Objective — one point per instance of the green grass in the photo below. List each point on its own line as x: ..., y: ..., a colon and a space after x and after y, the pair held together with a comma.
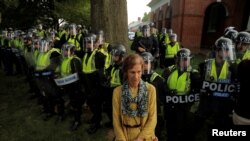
x: 21, y: 120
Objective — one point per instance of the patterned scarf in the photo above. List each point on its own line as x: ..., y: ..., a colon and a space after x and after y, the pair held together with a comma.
x: 140, y: 101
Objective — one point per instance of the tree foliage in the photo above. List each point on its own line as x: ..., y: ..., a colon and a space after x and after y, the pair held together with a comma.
x: 76, y: 11
x: 145, y: 17
x: 24, y: 14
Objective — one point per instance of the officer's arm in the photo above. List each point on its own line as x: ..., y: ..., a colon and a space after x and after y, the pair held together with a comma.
x: 156, y: 46
x: 196, y: 81
x: 202, y: 69
x: 55, y: 60
x: 100, y: 65
x: 76, y: 65
x: 135, y: 45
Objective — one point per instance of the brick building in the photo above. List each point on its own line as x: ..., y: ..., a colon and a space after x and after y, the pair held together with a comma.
x: 198, y: 23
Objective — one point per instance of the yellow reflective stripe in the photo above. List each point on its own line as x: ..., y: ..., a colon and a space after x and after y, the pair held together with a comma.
x: 115, y: 77
x: 65, y: 67
x: 177, y: 83
x: 153, y: 76
x: 223, y: 72
x: 89, y: 67
x: 171, y: 51
x: 44, y: 59
x: 75, y: 42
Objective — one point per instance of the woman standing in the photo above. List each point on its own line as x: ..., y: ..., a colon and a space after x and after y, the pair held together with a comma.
x: 134, y: 104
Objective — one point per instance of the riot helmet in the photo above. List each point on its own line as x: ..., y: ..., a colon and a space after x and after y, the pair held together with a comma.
x: 173, y: 37
x: 243, y: 43
x: 228, y: 29
x: 148, y: 61
x: 118, y: 51
x: 36, y: 44
x: 225, y: 49
x: 46, y: 45
x: 40, y: 26
x: 183, y: 58
x: 72, y: 29
x: 163, y: 30
x: 89, y: 42
x: 68, y: 49
x: 5, y: 33
x: 146, y: 31
x: 243, y: 37
x: 100, y: 37
x: 170, y: 31
x: 231, y: 34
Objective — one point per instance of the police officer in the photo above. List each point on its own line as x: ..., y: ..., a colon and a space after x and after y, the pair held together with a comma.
x: 150, y: 76
x: 171, y: 50
x: 70, y: 70
x: 93, y: 74
x: 231, y: 33
x: 182, y: 84
x: 40, y: 31
x: 146, y: 43
x: 241, y: 114
x: 114, y: 77
x: 48, y: 60
x: 163, y: 39
x: 217, y: 71
x: 242, y: 46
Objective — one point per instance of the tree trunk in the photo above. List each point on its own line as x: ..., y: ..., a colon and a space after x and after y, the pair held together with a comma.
x: 111, y: 17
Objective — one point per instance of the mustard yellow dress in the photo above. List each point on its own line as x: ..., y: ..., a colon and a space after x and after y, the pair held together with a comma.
x: 148, y: 122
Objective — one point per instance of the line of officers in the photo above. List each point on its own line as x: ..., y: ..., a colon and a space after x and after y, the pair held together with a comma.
x: 89, y: 73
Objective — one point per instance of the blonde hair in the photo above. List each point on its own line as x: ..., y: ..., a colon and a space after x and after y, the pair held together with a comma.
x: 129, y: 62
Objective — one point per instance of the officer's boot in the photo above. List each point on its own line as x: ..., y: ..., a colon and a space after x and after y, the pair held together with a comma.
x: 77, y: 122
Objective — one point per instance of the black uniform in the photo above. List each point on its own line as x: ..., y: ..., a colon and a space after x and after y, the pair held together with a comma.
x: 92, y: 82
x: 75, y: 92
x: 218, y: 107
x: 47, y: 86
x: 179, y: 119
x: 150, y: 44
x: 158, y: 82
x: 242, y: 99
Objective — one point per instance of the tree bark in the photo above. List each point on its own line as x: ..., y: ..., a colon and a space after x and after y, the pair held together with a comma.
x: 111, y: 17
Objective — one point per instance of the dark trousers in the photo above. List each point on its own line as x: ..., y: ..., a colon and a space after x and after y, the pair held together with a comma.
x: 214, y: 108
x: 94, y: 96
x: 178, y: 122
x: 76, y: 97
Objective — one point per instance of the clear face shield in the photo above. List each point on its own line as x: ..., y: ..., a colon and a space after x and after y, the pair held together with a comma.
x: 66, y: 51
x: 88, y: 44
x: 116, y: 57
x: 146, y: 32
x: 100, y: 39
x: 72, y: 30
x: 147, y: 68
x: 36, y: 44
x: 173, y: 38
x: 11, y: 35
x: 183, y: 63
x: 16, y: 33
x: 4, y: 33
x: 227, y: 52
x: 163, y: 30
x: 40, y: 26
x: 45, y: 46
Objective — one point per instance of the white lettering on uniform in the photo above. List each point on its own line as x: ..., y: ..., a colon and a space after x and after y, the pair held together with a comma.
x: 183, y: 98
